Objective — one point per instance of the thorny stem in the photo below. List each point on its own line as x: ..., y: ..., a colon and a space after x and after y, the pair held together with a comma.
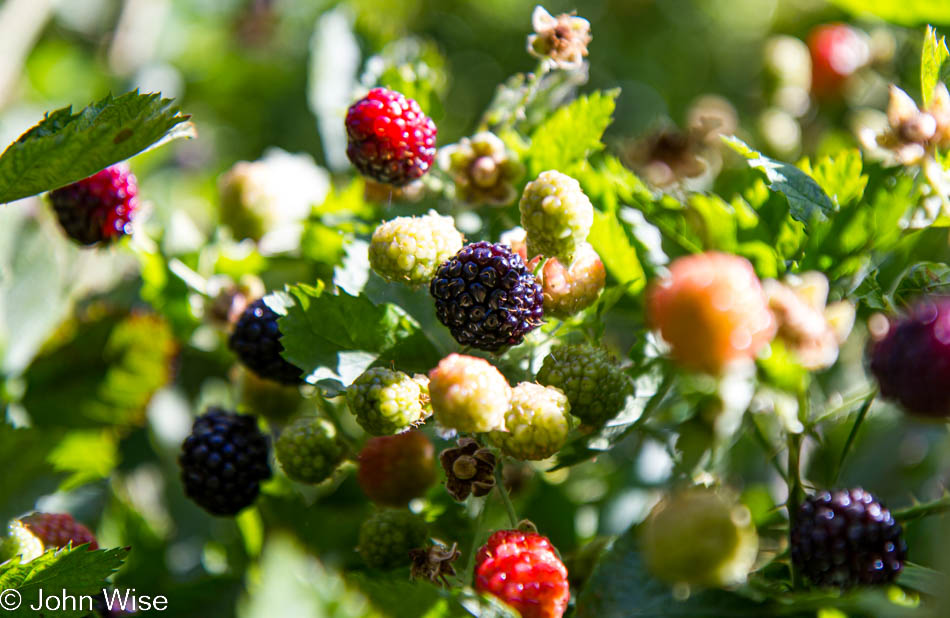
x: 925, y: 509
x: 500, y: 486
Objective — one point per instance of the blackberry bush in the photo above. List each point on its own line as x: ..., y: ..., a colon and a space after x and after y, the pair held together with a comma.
x: 643, y: 340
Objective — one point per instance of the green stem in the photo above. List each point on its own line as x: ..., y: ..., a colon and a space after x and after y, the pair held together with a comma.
x: 924, y: 509
x: 795, y: 495
x: 476, y: 537
x: 500, y: 486
x: 862, y: 414
x: 795, y: 492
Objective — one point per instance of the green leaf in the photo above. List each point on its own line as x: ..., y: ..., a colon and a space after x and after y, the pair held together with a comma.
x: 609, y: 239
x: 621, y: 587
x: 922, y: 579
x: 75, y: 570
x: 290, y: 582
x: 86, y: 455
x: 839, y: 176
x: 66, y: 147
x: 932, y: 57
x: 572, y: 132
x: 923, y: 279
x: 100, y: 372
x: 806, y: 200
x: 333, y: 338
x: 23, y: 453
x: 412, y: 598
x: 902, y: 12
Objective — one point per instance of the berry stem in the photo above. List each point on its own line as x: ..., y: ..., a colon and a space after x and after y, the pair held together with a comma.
x: 795, y: 492
x: 500, y: 486
x: 862, y: 414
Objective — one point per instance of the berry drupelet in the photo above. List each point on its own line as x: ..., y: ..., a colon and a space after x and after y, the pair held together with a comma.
x: 256, y: 341
x: 98, y: 209
x: 847, y: 538
x: 223, y: 461
x: 389, y: 138
x: 486, y: 297
x: 911, y: 359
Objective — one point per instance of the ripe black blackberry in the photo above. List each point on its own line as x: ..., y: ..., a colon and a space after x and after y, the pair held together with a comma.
x: 847, y: 538
x: 223, y: 461
x: 256, y: 341
x: 911, y: 361
x: 486, y: 296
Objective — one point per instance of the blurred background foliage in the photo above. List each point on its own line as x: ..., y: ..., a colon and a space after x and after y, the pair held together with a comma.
x: 263, y: 74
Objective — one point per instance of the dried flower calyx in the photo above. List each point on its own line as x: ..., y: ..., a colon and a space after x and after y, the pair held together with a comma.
x: 469, y: 469
x: 434, y: 563
x: 562, y: 39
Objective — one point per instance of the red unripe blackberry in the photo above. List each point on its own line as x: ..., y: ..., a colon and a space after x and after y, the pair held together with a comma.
x: 256, y: 341
x: 523, y: 570
x: 486, y: 296
x: 389, y: 138
x: 847, y: 538
x: 911, y: 359
x: 223, y: 461
x: 98, y: 209
x: 837, y: 51
x: 58, y: 530
x: 395, y: 469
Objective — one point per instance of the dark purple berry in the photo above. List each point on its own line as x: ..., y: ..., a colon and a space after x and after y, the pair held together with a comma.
x: 847, y: 538
x: 223, y: 461
x: 98, y: 209
x: 912, y: 360
x: 256, y: 341
x: 486, y: 296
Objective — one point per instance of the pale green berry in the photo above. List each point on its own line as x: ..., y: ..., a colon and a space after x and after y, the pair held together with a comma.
x: 537, y: 422
x: 556, y: 214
